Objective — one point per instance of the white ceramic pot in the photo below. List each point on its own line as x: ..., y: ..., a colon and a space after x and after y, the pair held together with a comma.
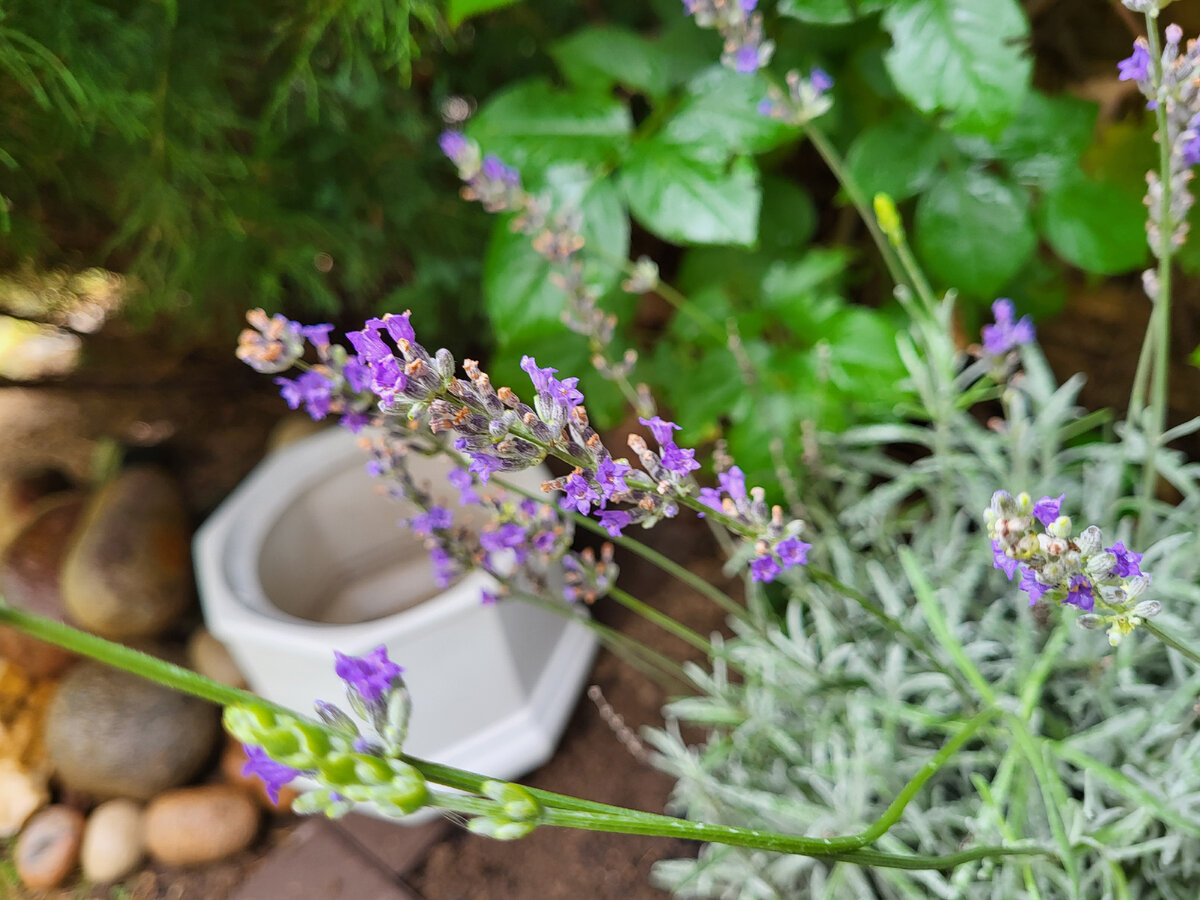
x: 306, y: 557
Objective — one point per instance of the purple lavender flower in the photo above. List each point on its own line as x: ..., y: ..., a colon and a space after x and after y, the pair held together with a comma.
x: 495, y: 169
x: 455, y: 146
x: 820, y: 80
x: 614, y: 520
x: 1006, y: 334
x: 508, y: 536
x: 1189, y: 149
x: 311, y: 388
x: 733, y: 482
x: 544, y: 541
x: 371, y: 676
x: 764, y: 568
x: 1003, y: 561
x: 274, y: 775
x: 540, y: 377
x: 745, y: 60
x: 610, y: 475
x: 679, y: 460
x: 580, y: 494
x: 466, y: 487
x: 317, y: 335
x: 1137, y: 66
x: 1080, y: 593
x: 354, y: 422
x: 1048, y: 509
x: 1127, y: 561
x: 444, y: 567
x: 367, y: 342
x: 793, y: 552
x: 425, y: 523
x: 1030, y: 585
x: 484, y: 464
x: 748, y: 5
x: 660, y: 428
x: 358, y: 376
x: 711, y: 498
x: 488, y: 598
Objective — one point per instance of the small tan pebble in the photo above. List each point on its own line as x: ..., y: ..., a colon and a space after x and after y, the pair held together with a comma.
x: 48, y: 848
x: 22, y: 793
x: 233, y: 759
x: 199, y: 824
x: 112, y: 841
x: 209, y: 657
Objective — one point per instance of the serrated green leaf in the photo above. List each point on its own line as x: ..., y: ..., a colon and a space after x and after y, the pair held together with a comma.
x: 519, y: 297
x: 898, y: 157
x: 1095, y: 226
x: 692, y: 201
x: 973, y: 232
x: 595, y: 59
x: 534, y: 126
x: 963, y: 57
x: 458, y: 11
x: 829, y: 12
x: 719, y: 116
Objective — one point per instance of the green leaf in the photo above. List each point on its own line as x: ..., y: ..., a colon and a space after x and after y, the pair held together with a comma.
x: 1095, y: 226
x: 534, y: 126
x: 458, y: 11
x: 788, y: 218
x: 898, y: 157
x: 519, y: 296
x: 1047, y: 138
x: 973, y: 232
x: 964, y: 57
x: 595, y: 59
x: 719, y: 116
x: 829, y: 12
x: 692, y: 201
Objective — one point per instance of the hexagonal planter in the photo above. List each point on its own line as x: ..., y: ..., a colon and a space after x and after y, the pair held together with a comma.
x: 305, y: 557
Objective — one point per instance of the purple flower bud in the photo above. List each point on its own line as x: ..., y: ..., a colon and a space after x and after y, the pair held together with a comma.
x: 354, y: 422
x: 1137, y: 66
x: 765, y: 107
x: 1048, y: 509
x: 745, y: 60
x: 495, y: 169
x: 426, y: 523
x: 273, y: 774
x: 488, y: 598
x: 317, y: 335
x: 508, y: 536
x: 371, y: 676
x: 466, y: 487
x: 678, y: 460
x: 312, y: 389
x: 483, y: 465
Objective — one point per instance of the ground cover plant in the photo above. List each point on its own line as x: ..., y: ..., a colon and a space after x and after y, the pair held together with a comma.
x: 964, y: 665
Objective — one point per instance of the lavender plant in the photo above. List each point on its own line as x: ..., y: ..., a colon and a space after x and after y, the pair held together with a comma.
x: 908, y: 726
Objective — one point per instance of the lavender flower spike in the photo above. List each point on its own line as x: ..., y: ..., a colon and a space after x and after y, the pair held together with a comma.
x: 371, y: 676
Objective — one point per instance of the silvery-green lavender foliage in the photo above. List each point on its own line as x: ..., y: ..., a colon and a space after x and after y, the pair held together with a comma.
x: 1098, y: 752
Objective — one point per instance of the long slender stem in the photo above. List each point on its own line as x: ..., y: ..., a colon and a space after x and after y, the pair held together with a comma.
x: 1171, y: 641
x: 1160, y: 318
x: 559, y: 810
x: 662, y: 620
x: 834, y: 161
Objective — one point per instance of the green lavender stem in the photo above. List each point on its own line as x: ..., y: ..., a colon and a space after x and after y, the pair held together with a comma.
x: 1160, y: 318
x: 1171, y: 641
x: 559, y: 810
